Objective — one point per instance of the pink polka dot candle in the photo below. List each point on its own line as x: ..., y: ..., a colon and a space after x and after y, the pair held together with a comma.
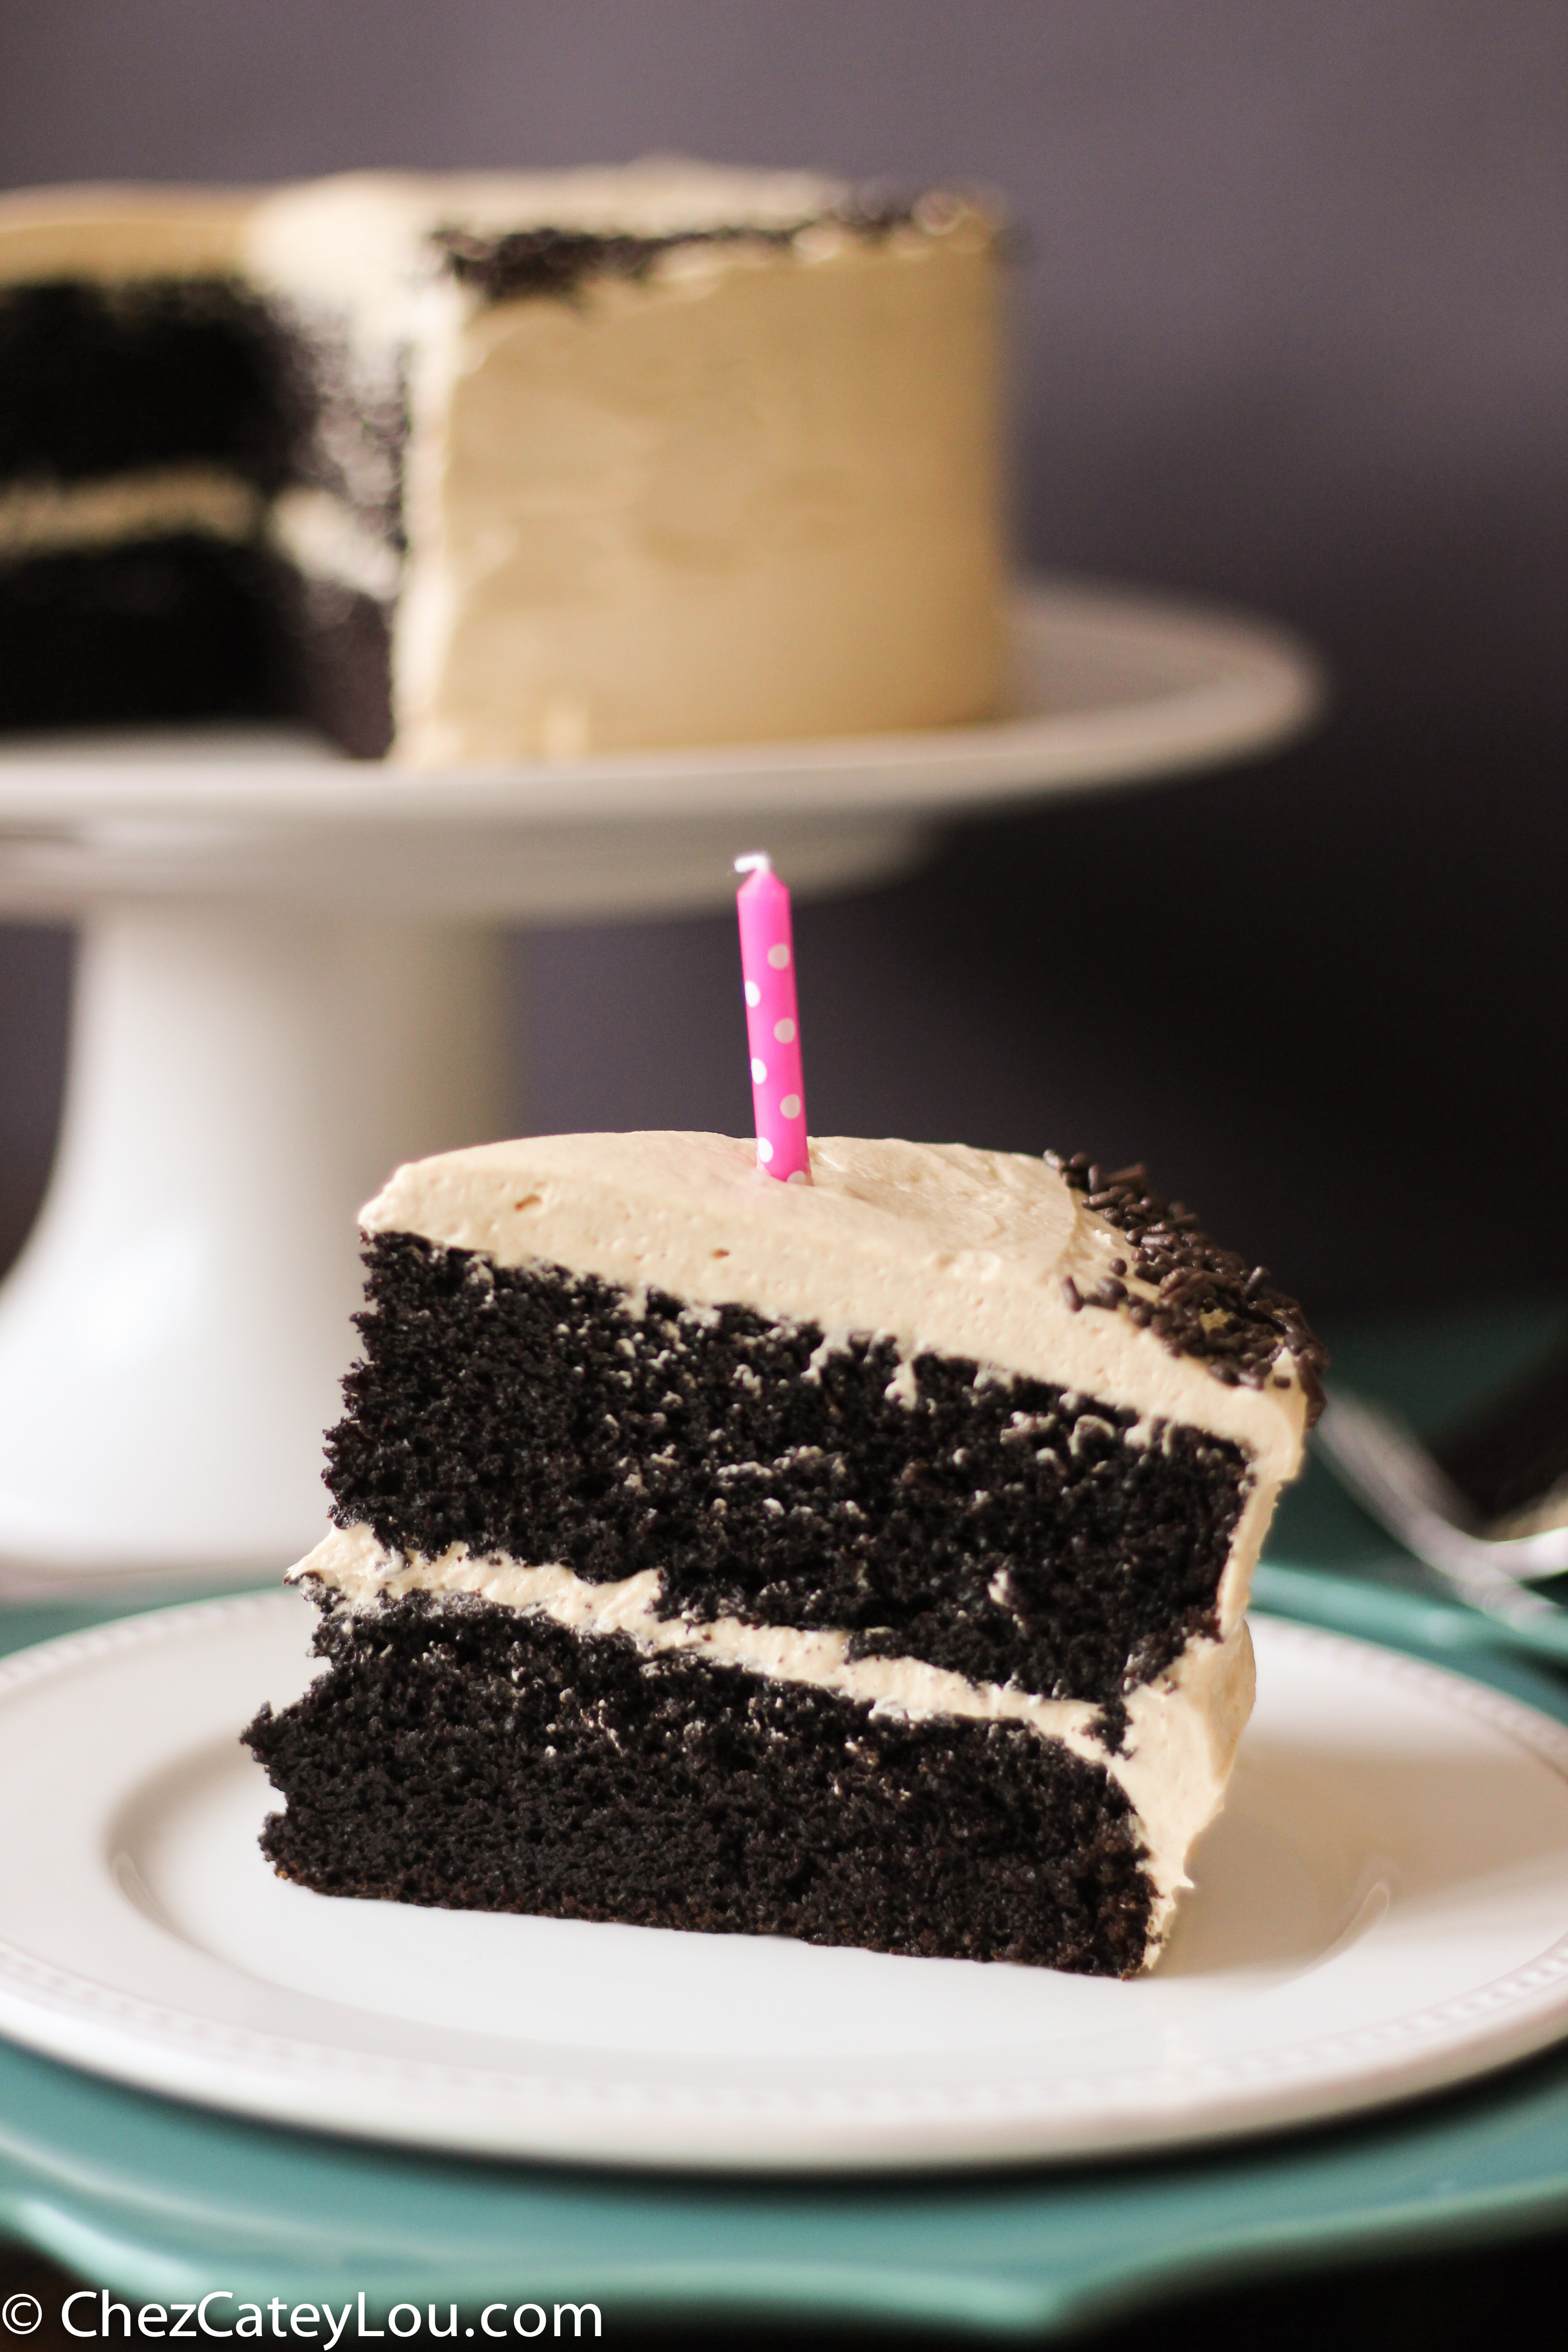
x: 772, y: 1022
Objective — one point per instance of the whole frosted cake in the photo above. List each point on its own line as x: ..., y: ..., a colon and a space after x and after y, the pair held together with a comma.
x: 862, y: 1562
x: 501, y: 466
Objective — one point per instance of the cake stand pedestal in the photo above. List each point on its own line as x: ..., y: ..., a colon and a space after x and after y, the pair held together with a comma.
x: 288, y: 981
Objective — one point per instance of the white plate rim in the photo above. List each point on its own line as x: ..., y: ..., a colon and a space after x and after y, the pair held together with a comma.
x: 89, y: 2023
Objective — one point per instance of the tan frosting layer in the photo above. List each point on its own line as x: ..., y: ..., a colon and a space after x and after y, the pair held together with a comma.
x: 325, y: 538
x: 1182, y: 1730
x: 43, y: 517
x: 753, y: 496
x: 750, y: 494
x: 107, y: 233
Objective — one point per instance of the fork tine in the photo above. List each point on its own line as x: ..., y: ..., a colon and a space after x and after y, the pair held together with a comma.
x: 1389, y: 1471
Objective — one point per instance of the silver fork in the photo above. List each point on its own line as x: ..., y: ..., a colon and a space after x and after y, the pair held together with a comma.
x: 1388, y: 1470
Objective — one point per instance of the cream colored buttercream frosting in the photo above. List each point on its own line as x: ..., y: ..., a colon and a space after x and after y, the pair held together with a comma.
x: 360, y: 242
x: 750, y: 490
x: 106, y: 233
x: 1172, y: 1765
x: 41, y: 516
x: 324, y: 539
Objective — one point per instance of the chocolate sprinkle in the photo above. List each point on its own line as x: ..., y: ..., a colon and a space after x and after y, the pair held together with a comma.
x: 559, y: 262
x: 1208, y: 1303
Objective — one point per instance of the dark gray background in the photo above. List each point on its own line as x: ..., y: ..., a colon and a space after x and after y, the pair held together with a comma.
x: 1290, y: 333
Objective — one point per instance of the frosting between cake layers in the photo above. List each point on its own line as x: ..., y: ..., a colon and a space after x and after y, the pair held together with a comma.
x: 1181, y: 1731
x: 324, y: 538
x: 41, y: 516
x: 944, y: 1247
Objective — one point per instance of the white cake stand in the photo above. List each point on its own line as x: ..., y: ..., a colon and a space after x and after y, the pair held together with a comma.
x: 287, y: 982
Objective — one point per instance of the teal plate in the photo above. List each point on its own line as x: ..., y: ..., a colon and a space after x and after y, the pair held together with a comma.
x: 166, y: 2201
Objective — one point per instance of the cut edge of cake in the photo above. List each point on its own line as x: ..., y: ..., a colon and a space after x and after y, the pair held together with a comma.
x: 1172, y: 1756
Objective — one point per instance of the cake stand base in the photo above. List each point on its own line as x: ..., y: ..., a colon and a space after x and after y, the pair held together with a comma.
x: 173, y: 1337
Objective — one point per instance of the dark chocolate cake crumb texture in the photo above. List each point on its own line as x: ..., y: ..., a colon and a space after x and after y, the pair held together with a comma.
x: 95, y: 380
x: 1005, y: 1529
x: 1210, y: 1303
x: 338, y: 660
x: 179, y: 625
x: 460, y: 1754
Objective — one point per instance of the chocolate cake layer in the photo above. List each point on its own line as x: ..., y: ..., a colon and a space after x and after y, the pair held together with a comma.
x: 458, y: 1754
x: 97, y: 379
x: 1001, y: 1528
x: 179, y: 627
x: 338, y: 650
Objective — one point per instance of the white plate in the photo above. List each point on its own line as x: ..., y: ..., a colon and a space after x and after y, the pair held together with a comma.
x: 1382, y: 1908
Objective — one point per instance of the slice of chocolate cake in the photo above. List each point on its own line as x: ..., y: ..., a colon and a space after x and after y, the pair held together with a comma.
x: 862, y: 1562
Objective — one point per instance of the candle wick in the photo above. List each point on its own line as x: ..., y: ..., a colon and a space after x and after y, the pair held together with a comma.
x: 756, y: 861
